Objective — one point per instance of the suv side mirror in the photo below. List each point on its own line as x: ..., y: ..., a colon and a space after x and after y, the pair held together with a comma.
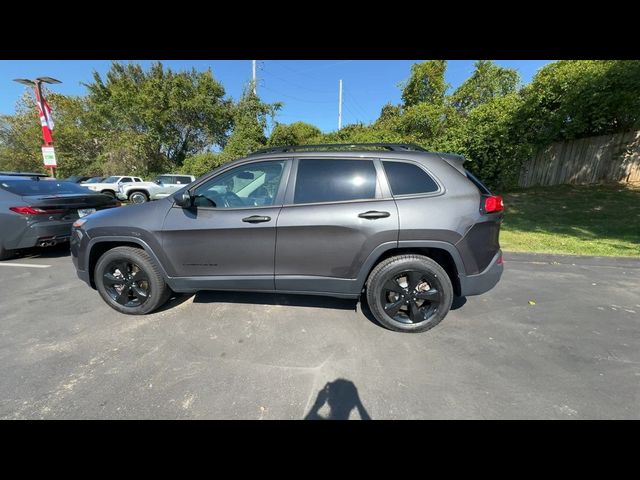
x: 185, y: 200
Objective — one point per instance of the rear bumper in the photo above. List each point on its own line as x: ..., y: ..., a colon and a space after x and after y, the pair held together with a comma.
x: 43, y: 234
x: 483, y: 281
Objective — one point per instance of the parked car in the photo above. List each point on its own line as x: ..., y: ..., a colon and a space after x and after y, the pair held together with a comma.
x: 93, y: 180
x: 77, y: 178
x: 410, y: 227
x: 161, y: 187
x: 37, y: 211
x: 109, y: 186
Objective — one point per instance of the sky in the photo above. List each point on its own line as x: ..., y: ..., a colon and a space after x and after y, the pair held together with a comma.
x: 308, y: 88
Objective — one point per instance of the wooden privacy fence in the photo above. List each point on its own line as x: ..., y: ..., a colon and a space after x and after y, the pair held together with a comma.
x: 607, y: 158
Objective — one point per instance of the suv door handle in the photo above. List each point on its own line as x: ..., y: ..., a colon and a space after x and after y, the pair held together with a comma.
x: 372, y: 215
x: 256, y: 219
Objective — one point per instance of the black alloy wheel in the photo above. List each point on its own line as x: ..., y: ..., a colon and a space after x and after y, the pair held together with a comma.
x: 130, y: 281
x: 411, y: 296
x: 409, y: 293
x: 126, y: 283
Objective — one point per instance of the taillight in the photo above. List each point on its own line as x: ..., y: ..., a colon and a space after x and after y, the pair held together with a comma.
x: 34, y: 211
x: 493, y: 204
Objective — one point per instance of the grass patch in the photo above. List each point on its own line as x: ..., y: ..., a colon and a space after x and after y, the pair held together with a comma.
x: 573, y: 219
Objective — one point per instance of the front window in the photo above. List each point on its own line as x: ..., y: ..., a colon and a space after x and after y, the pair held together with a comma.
x: 251, y: 185
x: 163, y: 179
x: 111, y: 180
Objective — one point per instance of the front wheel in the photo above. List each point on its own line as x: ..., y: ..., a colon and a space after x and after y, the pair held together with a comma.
x: 409, y: 293
x: 109, y: 193
x: 138, y: 197
x: 130, y: 282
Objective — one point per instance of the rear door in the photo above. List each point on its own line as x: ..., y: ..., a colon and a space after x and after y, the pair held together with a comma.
x: 335, y: 214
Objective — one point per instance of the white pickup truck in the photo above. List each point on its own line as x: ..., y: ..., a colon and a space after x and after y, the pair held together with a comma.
x: 109, y: 186
x: 161, y: 187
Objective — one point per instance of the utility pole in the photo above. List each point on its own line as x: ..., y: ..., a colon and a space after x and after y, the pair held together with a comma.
x: 44, y: 111
x: 254, y: 77
x: 340, y: 107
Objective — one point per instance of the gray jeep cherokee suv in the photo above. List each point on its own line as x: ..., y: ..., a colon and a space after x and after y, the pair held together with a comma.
x: 409, y: 227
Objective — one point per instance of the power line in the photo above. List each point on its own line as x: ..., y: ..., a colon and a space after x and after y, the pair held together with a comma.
x: 295, y: 84
x: 296, y: 98
x: 356, y: 104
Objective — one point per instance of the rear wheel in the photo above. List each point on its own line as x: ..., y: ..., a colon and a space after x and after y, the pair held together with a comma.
x: 138, y: 197
x: 409, y: 293
x: 129, y: 281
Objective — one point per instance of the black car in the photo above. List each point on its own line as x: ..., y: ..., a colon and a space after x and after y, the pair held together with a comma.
x: 39, y: 211
x: 77, y: 178
x: 409, y: 228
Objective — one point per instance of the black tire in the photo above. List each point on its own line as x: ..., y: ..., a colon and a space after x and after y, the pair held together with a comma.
x: 109, y: 193
x: 416, y: 283
x: 138, y: 197
x: 123, y: 295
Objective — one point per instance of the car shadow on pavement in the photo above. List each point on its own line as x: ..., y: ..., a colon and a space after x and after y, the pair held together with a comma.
x: 57, y: 251
x: 276, y: 299
x: 341, y: 397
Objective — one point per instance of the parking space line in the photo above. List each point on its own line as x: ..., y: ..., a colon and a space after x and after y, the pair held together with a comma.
x: 26, y: 265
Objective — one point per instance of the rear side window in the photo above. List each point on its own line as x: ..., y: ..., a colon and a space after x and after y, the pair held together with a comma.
x: 408, y: 179
x: 335, y: 181
x: 183, y: 180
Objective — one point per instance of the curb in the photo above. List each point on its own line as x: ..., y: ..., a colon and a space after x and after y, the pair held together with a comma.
x: 626, y: 262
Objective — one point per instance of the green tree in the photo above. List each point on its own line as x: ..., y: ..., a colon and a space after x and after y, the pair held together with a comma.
x: 487, y: 82
x: 578, y: 98
x: 202, y: 163
x: 491, y: 141
x: 426, y: 83
x: 297, y: 133
x: 170, y: 114
x: 250, y: 116
x: 21, y: 138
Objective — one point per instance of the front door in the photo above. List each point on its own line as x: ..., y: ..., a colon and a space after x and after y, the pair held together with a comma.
x: 230, y: 232
x: 334, y: 216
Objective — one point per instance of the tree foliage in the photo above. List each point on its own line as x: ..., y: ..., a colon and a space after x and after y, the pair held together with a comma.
x: 426, y: 84
x: 487, y: 82
x: 297, y: 133
x: 153, y: 121
x: 168, y: 114
x: 250, y: 122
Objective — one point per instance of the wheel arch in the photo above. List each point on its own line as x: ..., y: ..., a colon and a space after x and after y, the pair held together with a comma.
x: 445, y: 254
x: 99, y: 246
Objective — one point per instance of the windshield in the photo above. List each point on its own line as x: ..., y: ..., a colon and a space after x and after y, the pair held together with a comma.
x: 111, y: 180
x: 42, y: 187
x: 94, y: 180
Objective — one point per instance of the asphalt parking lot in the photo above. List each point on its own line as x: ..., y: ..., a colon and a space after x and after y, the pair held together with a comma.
x: 552, y: 340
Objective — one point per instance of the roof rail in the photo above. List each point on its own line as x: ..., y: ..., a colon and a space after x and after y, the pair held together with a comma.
x: 394, y: 147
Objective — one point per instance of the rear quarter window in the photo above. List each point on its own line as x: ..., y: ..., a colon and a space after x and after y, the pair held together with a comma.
x: 408, y: 179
